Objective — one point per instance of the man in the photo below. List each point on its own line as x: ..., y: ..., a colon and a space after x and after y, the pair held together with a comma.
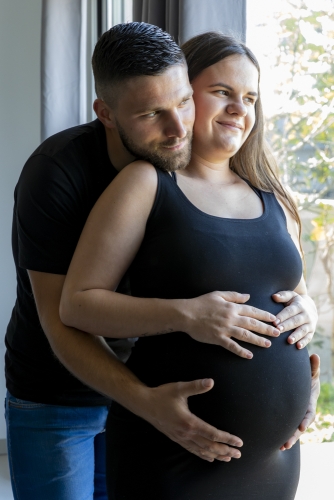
x: 55, y: 420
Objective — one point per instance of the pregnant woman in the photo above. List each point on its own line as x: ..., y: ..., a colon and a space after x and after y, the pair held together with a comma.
x: 223, y: 223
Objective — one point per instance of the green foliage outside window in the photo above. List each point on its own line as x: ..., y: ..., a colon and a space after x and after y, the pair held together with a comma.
x: 301, y: 134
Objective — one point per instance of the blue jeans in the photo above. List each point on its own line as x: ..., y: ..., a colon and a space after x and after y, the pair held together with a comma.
x: 56, y: 452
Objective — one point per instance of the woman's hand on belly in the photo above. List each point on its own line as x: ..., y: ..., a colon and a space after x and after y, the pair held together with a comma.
x: 299, y: 314
x: 216, y: 317
x: 311, y: 410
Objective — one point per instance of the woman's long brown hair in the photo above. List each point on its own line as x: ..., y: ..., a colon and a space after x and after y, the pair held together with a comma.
x: 254, y: 160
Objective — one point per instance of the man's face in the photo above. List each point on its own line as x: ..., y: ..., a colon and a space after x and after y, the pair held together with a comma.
x: 154, y: 117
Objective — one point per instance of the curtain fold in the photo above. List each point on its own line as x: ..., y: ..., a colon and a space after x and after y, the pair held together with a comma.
x: 65, y: 47
x: 185, y: 18
x: 61, y: 65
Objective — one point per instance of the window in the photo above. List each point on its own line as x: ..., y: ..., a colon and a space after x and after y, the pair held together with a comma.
x: 98, y: 17
x: 294, y: 42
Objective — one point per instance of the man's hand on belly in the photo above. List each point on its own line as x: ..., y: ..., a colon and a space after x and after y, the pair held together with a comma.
x: 311, y: 410
x: 219, y: 317
x: 168, y: 411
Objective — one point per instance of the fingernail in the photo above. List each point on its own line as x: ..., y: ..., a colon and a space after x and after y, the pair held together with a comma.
x: 278, y: 294
x: 281, y: 328
x: 267, y: 343
x: 277, y: 321
x: 249, y: 355
x: 206, y: 382
x: 272, y: 317
x: 292, y: 339
x: 276, y: 332
x: 301, y: 345
x: 227, y: 459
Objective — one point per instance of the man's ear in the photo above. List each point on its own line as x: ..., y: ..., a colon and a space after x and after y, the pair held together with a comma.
x: 104, y: 113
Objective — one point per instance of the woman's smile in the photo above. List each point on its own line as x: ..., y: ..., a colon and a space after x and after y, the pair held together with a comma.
x: 224, y: 94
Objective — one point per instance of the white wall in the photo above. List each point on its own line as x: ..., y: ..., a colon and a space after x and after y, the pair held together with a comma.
x: 20, y: 33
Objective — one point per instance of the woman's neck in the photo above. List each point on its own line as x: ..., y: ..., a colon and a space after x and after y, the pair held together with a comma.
x: 209, y: 171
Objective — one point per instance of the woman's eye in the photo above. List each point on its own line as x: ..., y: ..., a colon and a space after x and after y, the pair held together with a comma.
x: 249, y: 100
x: 222, y: 92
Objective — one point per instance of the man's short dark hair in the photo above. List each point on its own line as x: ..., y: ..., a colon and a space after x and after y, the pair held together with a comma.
x: 129, y: 50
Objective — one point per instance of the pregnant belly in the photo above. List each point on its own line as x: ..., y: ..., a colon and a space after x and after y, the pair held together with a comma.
x: 262, y: 400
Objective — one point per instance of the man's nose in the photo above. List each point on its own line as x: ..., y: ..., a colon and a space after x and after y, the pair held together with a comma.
x: 175, y: 126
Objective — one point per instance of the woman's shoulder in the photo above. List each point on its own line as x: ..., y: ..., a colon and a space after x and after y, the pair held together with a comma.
x: 134, y: 188
x: 139, y: 170
x: 138, y: 179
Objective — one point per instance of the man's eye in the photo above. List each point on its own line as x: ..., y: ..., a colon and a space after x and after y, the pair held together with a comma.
x: 151, y: 115
x: 185, y: 101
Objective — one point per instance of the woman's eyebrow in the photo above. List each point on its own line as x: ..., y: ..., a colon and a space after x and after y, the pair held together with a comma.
x: 221, y: 84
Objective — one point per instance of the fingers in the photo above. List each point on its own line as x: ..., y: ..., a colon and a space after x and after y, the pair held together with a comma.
x: 284, y: 296
x: 210, y: 450
x: 301, y: 336
x: 212, y: 435
x: 311, y: 411
x: 258, y: 314
x: 197, y: 436
x: 292, y: 316
x: 186, y: 389
x: 205, y: 434
x: 299, y: 315
x: 234, y: 347
x: 305, y: 340
x: 254, y: 325
x: 315, y: 366
x: 245, y: 336
x: 212, y: 444
x: 293, y: 440
x: 238, y: 298
x: 251, y: 338
x: 307, y: 421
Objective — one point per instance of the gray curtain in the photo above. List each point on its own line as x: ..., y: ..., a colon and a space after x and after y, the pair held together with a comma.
x: 60, y: 65
x: 186, y: 18
x: 65, y: 66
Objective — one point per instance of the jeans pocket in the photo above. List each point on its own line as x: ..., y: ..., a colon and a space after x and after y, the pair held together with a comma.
x: 22, y: 404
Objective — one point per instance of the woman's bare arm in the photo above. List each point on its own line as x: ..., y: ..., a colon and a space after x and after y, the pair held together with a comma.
x: 109, y: 243
x: 300, y: 313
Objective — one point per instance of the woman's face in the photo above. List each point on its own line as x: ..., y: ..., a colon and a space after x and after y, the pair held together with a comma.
x: 225, y: 95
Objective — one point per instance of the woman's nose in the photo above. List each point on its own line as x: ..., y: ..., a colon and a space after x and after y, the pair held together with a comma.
x: 237, y: 107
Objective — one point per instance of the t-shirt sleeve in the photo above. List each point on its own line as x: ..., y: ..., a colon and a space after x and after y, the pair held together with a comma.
x: 50, y: 214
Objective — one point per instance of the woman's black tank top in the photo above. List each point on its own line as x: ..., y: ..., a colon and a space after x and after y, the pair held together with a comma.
x: 186, y: 253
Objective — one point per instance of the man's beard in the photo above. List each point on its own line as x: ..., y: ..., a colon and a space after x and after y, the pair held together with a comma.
x: 175, y: 160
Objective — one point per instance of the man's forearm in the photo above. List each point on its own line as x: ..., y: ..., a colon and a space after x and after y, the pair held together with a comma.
x: 91, y: 360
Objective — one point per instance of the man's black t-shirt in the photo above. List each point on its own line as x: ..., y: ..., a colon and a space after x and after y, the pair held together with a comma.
x: 58, y: 187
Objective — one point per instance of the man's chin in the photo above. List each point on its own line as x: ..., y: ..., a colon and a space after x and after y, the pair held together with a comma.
x: 173, y: 160
x: 171, y: 164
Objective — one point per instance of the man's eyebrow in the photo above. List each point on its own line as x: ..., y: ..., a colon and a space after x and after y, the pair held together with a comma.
x: 221, y: 84
x: 152, y: 107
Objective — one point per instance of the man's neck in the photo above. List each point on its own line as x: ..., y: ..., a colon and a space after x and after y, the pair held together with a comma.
x: 117, y: 153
